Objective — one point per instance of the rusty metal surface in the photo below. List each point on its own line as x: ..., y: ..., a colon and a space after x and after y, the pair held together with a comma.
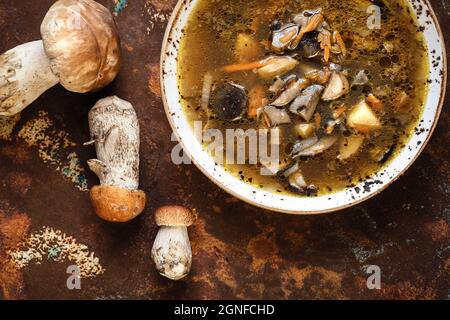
x: 239, y: 251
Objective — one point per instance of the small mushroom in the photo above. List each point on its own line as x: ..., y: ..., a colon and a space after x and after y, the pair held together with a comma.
x: 80, y: 48
x: 337, y: 87
x: 171, y: 250
x: 115, y: 130
x: 229, y: 101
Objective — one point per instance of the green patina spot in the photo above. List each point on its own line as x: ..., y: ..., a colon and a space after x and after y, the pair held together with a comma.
x: 54, y: 252
x: 120, y: 5
x: 74, y: 172
x: 51, y: 144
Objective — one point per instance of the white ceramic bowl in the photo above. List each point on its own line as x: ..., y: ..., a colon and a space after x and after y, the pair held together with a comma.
x: 293, y: 204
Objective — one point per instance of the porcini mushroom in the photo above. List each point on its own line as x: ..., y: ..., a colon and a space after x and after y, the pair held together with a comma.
x: 171, y: 250
x: 80, y: 48
x: 114, y: 129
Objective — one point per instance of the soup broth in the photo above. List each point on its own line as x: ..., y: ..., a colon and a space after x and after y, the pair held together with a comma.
x: 344, y: 92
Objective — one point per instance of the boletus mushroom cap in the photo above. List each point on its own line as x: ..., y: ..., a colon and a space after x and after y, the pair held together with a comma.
x: 116, y: 204
x: 82, y: 42
x: 174, y: 216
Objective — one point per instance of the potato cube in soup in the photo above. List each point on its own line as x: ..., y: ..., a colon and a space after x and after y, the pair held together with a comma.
x: 363, y: 119
x: 304, y: 130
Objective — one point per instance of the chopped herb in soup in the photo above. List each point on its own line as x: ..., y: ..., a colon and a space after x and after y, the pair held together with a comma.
x: 343, y: 88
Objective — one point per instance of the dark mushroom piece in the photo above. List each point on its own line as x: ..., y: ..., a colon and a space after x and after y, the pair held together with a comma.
x: 229, y: 101
x: 309, y: 46
x: 275, y: 25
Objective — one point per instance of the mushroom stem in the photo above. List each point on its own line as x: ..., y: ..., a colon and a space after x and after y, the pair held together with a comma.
x: 115, y: 130
x: 25, y: 74
x: 172, y: 252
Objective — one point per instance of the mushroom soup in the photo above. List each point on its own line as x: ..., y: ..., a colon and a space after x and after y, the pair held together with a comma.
x: 344, y: 87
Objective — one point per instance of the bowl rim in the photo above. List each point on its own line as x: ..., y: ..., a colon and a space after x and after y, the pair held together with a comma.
x: 443, y: 90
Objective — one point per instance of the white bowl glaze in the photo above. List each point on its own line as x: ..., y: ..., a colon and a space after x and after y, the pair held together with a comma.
x: 294, y: 204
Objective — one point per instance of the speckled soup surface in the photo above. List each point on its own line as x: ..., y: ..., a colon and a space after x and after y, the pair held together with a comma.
x: 239, y: 251
x: 356, y: 192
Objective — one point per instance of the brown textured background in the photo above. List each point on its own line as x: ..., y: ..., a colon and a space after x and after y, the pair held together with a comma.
x: 239, y: 251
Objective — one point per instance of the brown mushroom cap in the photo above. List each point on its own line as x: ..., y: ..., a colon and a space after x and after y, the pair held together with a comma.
x: 81, y: 39
x: 117, y: 204
x: 174, y: 216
